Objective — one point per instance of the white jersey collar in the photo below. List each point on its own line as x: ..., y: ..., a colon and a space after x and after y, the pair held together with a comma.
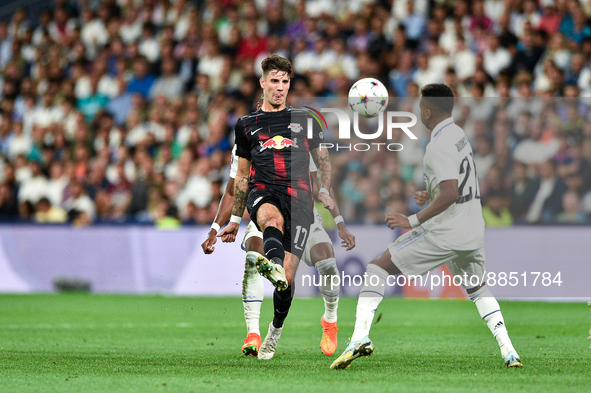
x: 440, y: 126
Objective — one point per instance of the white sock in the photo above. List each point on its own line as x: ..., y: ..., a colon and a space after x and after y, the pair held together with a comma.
x: 370, y: 298
x: 490, y: 311
x: 253, y: 292
x: 327, y: 268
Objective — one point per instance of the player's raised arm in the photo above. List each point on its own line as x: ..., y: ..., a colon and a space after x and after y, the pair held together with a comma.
x: 322, y: 161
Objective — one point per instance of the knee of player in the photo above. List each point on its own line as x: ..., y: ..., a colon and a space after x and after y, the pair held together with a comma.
x: 255, y: 243
x: 275, y: 223
x: 320, y: 252
x: 327, y: 266
x: 475, y: 291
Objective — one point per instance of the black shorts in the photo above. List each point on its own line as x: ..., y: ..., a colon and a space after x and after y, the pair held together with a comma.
x: 298, y: 220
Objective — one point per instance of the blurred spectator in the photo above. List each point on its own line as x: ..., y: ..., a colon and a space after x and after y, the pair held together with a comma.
x: 550, y: 20
x: 548, y: 200
x: 572, y: 213
x: 414, y: 23
x: 483, y: 157
x: 80, y: 208
x: 167, y: 219
x: 35, y: 186
x: 495, y: 211
x: 57, y: 183
x: 533, y: 148
x: 16, y: 142
x: 8, y: 201
x: 46, y: 213
x: 528, y: 56
x: 169, y: 84
x: 94, y: 102
x: 496, y: 58
x: 523, y: 191
x: 574, y: 25
x: 148, y: 44
x: 142, y: 79
x: 479, y: 20
x: 252, y: 44
x: 5, y: 45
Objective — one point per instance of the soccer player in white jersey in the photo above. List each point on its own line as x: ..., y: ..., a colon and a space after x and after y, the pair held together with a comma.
x: 318, y: 253
x: 449, y: 231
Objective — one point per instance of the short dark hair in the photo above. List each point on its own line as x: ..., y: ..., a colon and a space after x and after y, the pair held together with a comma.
x: 276, y: 62
x: 440, y: 96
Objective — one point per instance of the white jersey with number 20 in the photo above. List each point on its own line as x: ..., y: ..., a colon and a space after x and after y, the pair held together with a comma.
x: 449, y: 156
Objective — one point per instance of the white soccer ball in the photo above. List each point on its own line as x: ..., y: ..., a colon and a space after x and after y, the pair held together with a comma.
x: 368, y: 97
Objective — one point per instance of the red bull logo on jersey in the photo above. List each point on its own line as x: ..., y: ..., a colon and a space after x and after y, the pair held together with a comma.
x: 278, y: 142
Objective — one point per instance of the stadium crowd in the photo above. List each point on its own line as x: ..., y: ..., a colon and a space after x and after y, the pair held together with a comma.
x: 123, y: 110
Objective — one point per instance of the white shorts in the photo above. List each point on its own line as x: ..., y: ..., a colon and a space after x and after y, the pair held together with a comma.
x: 317, y: 235
x: 417, y: 252
x: 251, y: 230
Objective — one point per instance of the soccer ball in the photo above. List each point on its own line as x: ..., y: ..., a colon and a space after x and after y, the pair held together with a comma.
x: 368, y: 97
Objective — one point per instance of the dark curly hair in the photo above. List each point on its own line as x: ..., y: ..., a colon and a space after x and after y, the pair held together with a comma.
x: 276, y: 62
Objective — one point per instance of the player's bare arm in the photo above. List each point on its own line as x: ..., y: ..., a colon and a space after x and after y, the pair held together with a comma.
x: 221, y: 217
x: 446, y: 197
x: 240, y: 196
x: 322, y: 161
x: 348, y: 240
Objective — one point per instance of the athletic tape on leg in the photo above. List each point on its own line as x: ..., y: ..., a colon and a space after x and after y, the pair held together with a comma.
x: 329, y: 277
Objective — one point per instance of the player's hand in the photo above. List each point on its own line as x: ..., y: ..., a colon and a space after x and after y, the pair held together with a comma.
x: 421, y: 197
x: 326, y: 201
x: 228, y: 234
x: 207, y: 245
x: 348, y: 240
x: 397, y: 220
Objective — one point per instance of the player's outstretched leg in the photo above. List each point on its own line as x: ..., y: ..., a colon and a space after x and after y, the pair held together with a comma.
x: 252, y: 298
x: 282, y: 303
x: 273, y: 272
x: 370, y: 297
x: 327, y: 269
x: 490, y: 311
x: 267, y: 350
x: 271, y: 265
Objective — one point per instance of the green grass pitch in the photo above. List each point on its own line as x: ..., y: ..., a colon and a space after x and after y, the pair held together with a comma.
x: 104, y: 343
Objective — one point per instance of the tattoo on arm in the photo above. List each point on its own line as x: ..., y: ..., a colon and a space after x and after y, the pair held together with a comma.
x: 241, y: 187
x: 322, y: 161
x: 240, y: 195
